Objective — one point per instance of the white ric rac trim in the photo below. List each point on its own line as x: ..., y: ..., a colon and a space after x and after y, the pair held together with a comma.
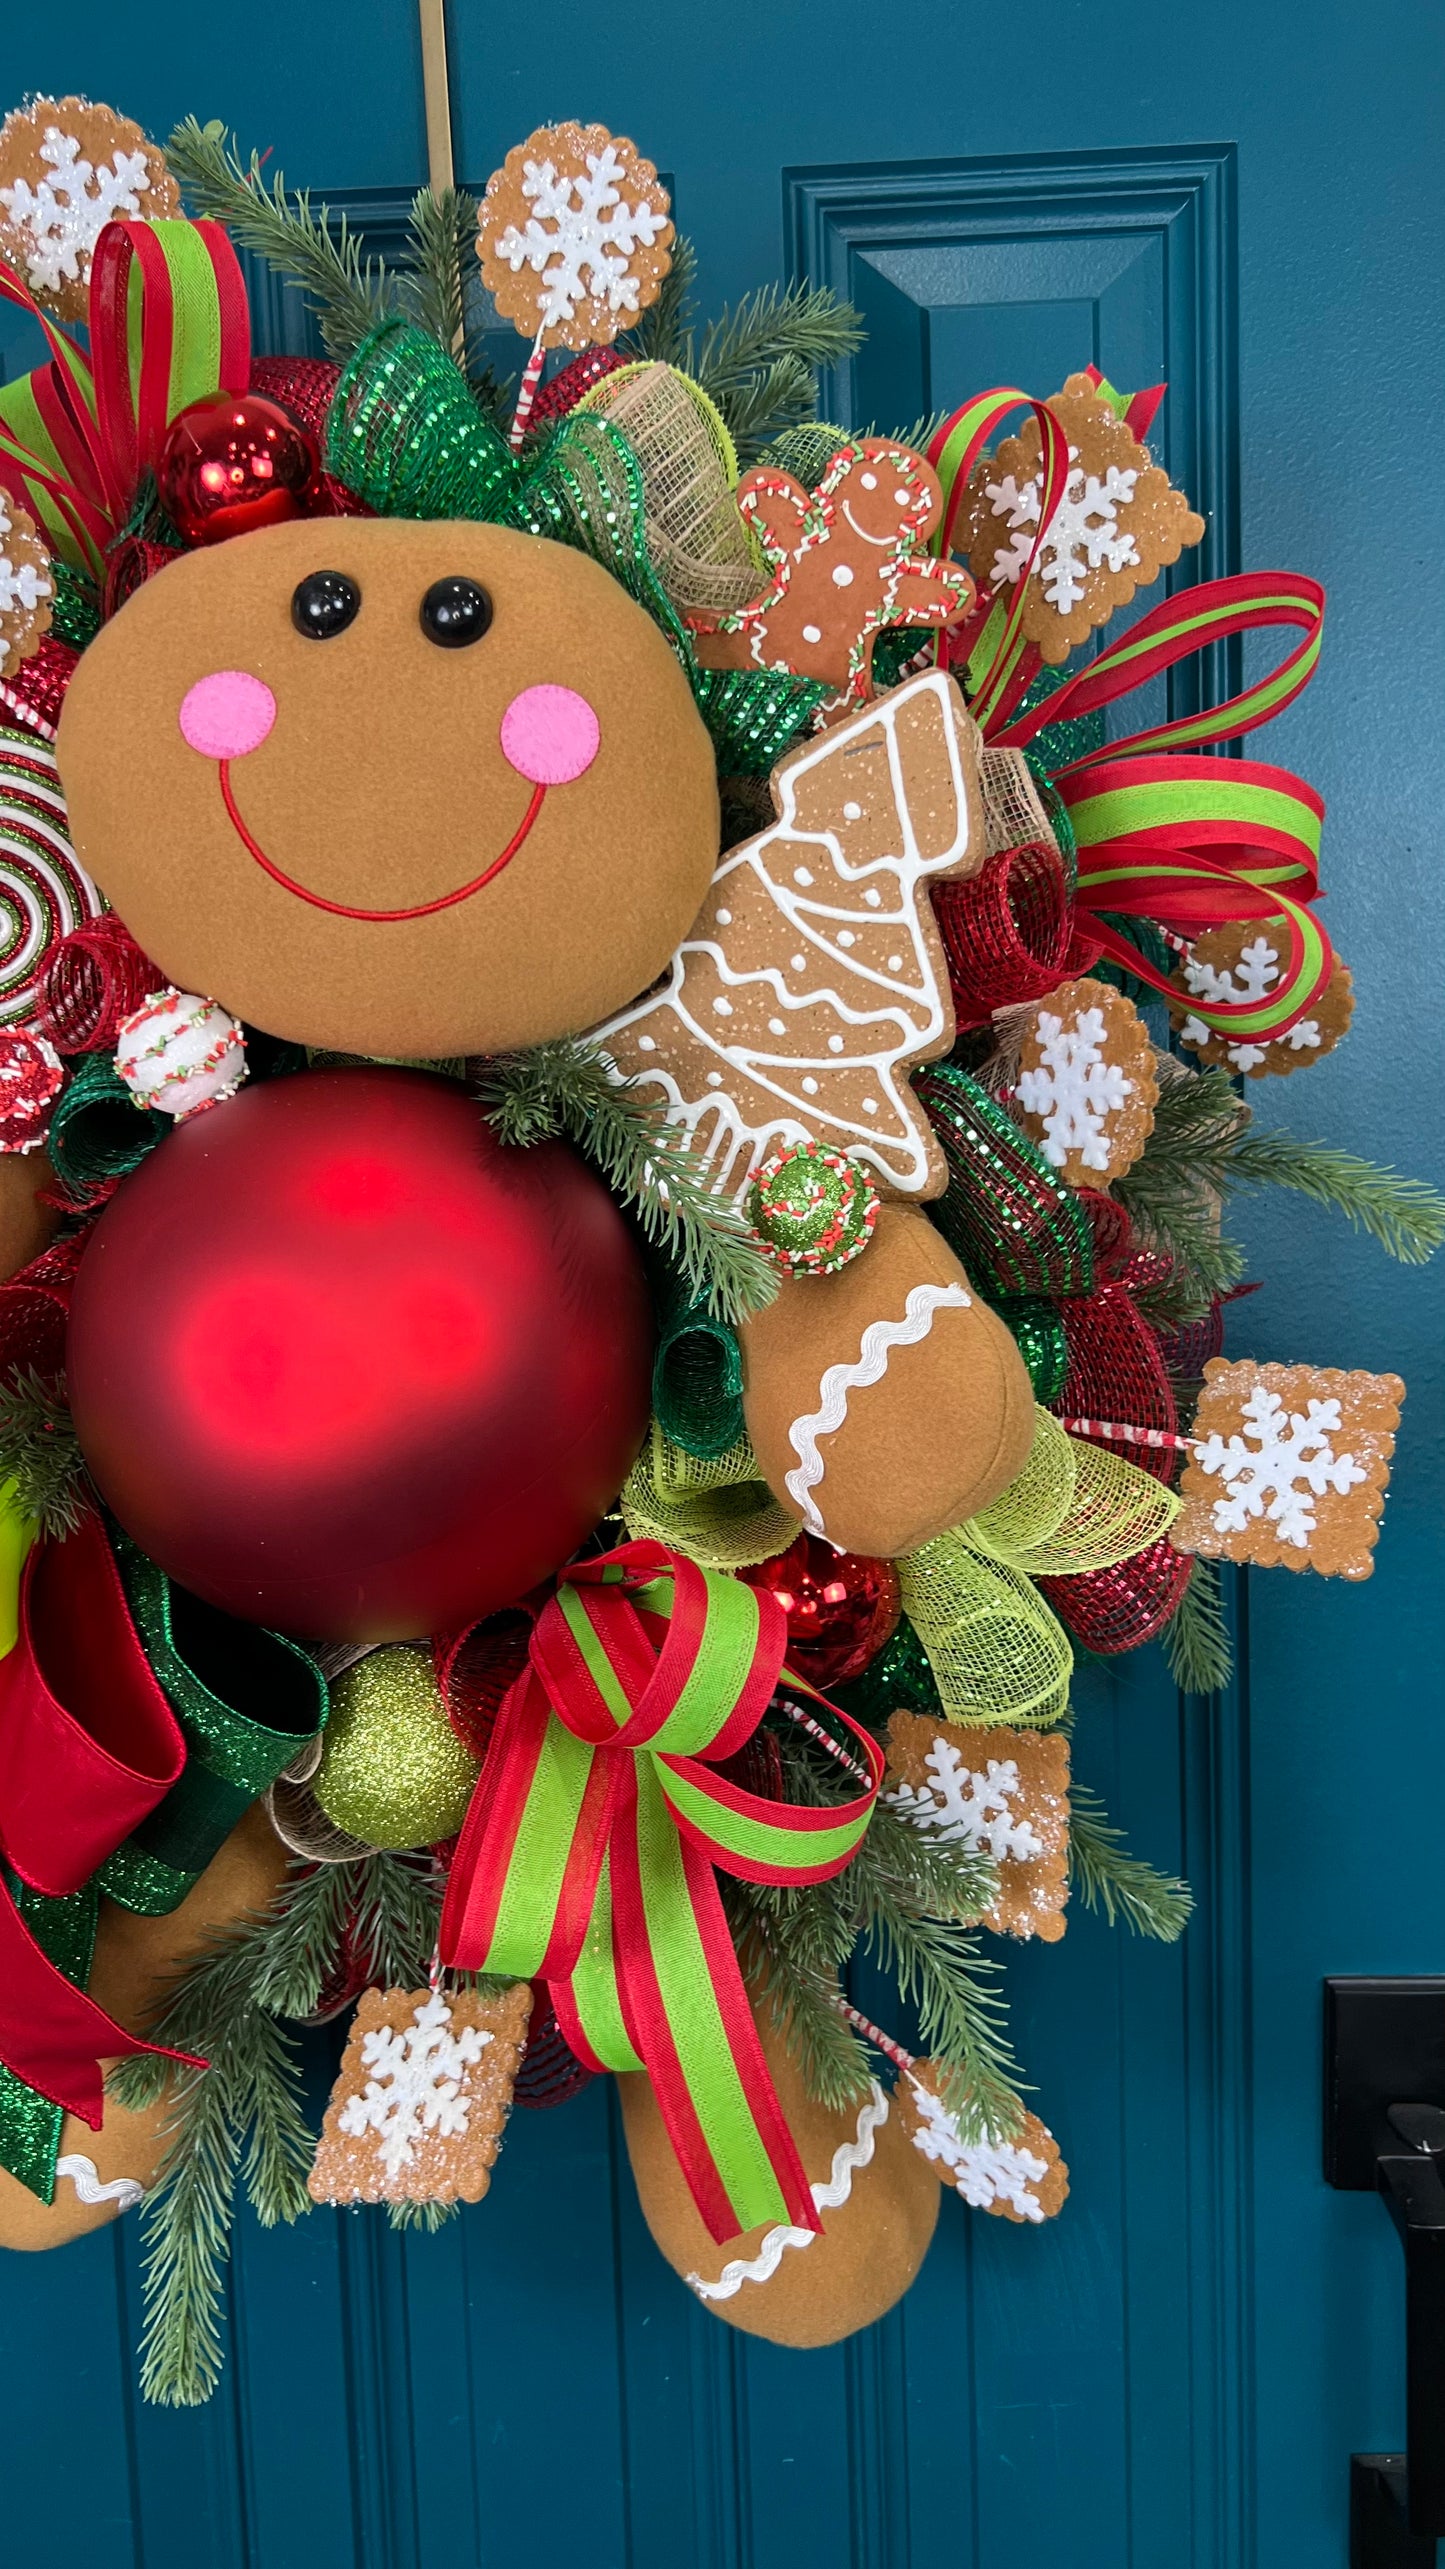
x: 879, y: 1340
x: 827, y: 2198
x: 85, y: 2178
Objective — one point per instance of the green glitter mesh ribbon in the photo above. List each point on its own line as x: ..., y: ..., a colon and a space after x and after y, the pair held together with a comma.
x: 1039, y: 1335
x: 405, y: 434
x: 1011, y: 1219
x: 75, y: 612
x: 697, y: 1381
x: 29, y: 2124
x: 205, y: 1661
x: 898, y: 1679
x: 98, y: 1132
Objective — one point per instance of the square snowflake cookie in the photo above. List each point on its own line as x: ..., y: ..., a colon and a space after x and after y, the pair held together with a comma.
x: 421, y: 2098
x: 1087, y: 1086
x: 1025, y: 2179
x: 996, y: 1792
x: 1288, y: 1467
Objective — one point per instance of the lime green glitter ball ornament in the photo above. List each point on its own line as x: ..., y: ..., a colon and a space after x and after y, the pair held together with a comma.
x: 812, y: 1209
x: 393, y: 1771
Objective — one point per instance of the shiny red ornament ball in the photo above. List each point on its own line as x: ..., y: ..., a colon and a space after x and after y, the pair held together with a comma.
x: 234, y: 462
x: 841, y: 1607
x: 344, y: 1365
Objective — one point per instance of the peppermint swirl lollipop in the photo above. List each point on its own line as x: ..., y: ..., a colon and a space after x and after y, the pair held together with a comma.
x: 44, y: 892
x: 812, y: 1209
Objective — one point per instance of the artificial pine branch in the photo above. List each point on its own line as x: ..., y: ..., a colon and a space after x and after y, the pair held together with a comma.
x: 349, y: 294
x: 939, y: 1969
x: 779, y: 398
x: 441, y: 234
x: 562, y: 1087
x: 1196, y: 1637
x: 1107, y: 1877
x: 1406, y: 1216
x: 40, y: 1452
x: 798, y: 327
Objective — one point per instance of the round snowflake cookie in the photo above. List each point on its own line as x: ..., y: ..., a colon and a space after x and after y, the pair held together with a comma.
x: 812, y: 1209
x: 574, y: 236
x: 1244, y: 960
x: 178, y: 1052
x: 67, y: 168
x: 1087, y: 1086
x: 26, y: 588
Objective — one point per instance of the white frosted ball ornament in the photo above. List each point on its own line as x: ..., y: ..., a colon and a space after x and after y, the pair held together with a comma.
x: 178, y: 1053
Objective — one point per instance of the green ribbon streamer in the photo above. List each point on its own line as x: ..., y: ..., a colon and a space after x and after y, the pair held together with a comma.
x: 30, y: 2125
x: 98, y: 1132
x: 204, y: 1661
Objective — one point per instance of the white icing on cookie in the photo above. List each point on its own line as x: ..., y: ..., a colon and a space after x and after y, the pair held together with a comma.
x: 827, y: 2197
x: 879, y: 1340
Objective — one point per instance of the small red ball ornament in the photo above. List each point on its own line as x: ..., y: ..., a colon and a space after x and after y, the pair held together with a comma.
x: 234, y: 462
x: 344, y: 1365
x: 841, y: 1607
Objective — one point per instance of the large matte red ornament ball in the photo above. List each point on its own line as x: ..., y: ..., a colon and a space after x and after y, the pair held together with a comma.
x: 343, y: 1364
x: 233, y: 462
x: 841, y: 1607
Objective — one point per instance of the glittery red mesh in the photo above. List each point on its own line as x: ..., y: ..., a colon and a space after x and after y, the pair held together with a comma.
x: 129, y: 565
x: 474, y: 1670
x: 1114, y: 1610
x: 569, y: 384
x: 93, y: 979
x: 34, y: 693
x: 1008, y: 932
x: 33, y: 1307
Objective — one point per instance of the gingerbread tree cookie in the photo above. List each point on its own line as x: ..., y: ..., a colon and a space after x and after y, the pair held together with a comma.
x: 1120, y: 520
x: 846, y: 559
x: 1087, y: 1086
x: 814, y: 978
x: 67, y: 168
x: 1025, y: 2179
x: 421, y: 2097
x: 574, y: 236
x: 1244, y: 960
x: 996, y: 1792
x: 1289, y: 1467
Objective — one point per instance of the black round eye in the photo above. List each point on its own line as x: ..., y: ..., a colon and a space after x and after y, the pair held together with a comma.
x: 455, y: 611
x: 324, y: 603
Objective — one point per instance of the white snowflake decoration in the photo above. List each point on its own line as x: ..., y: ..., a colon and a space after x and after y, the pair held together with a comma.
x: 1074, y: 1090
x: 985, y: 2172
x: 1253, y: 977
x: 594, y: 234
x: 62, y: 219
x: 1290, y: 1463
x: 416, y: 2083
x: 23, y: 587
x: 1084, y: 533
x: 963, y: 1808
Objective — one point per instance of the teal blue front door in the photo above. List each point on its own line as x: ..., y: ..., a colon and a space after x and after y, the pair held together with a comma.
x: 1247, y: 199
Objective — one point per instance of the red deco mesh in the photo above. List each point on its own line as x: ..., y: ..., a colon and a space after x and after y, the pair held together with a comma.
x: 569, y: 384
x: 33, y: 694
x: 131, y: 563
x: 474, y: 1670
x: 1008, y: 932
x: 1114, y: 1610
x: 34, y: 1305
x: 92, y: 981
x: 304, y: 386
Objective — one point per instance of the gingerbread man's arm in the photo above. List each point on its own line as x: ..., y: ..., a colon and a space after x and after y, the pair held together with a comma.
x: 778, y: 511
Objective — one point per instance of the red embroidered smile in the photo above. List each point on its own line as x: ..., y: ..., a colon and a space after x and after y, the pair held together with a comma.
x: 352, y: 910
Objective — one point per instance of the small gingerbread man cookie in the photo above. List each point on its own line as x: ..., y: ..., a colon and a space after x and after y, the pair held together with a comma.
x: 846, y: 560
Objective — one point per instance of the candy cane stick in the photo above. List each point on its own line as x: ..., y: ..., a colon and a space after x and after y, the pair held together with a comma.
x: 527, y: 393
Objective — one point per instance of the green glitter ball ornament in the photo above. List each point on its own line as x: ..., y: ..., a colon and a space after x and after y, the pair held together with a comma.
x: 812, y: 1209
x: 393, y: 1771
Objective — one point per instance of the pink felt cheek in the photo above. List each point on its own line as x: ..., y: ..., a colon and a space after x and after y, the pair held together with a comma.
x: 550, y: 735
x: 227, y: 714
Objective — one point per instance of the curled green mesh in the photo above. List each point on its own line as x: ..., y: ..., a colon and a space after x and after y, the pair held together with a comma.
x: 98, y: 1132
x: 715, y: 1510
x: 405, y: 433
x: 697, y: 1383
x: 1038, y: 1333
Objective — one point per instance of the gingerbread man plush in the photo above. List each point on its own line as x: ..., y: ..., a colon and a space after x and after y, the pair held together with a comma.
x: 846, y: 559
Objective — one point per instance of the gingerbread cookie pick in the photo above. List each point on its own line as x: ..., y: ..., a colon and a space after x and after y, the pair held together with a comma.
x: 996, y: 1792
x: 1087, y: 1086
x: 1244, y: 960
x: 421, y: 2098
x: 1289, y: 1467
x: 67, y: 168
x: 813, y: 977
x: 846, y: 560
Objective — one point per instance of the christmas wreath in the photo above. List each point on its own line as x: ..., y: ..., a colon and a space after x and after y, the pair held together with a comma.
x: 615, y: 1119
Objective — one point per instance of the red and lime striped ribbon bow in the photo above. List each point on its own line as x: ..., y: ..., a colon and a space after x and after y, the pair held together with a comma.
x: 1194, y: 841
x: 1001, y: 663
x: 590, y: 1854
x: 169, y: 323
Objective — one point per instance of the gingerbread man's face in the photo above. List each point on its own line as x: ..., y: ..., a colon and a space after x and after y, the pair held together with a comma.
x: 393, y: 788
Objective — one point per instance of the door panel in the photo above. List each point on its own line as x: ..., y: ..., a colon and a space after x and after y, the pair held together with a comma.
x: 1177, y: 2370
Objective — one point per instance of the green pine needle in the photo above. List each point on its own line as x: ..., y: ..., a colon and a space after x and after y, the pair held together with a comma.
x: 441, y: 236
x: 758, y: 361
x: 1406, y: 1216
x: 563, y: 1087
x: 349, y: 294
x: 1196, y: 1638
x: 663, y: 334
x: 1105, y: 1876
x: 40, y: 1452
